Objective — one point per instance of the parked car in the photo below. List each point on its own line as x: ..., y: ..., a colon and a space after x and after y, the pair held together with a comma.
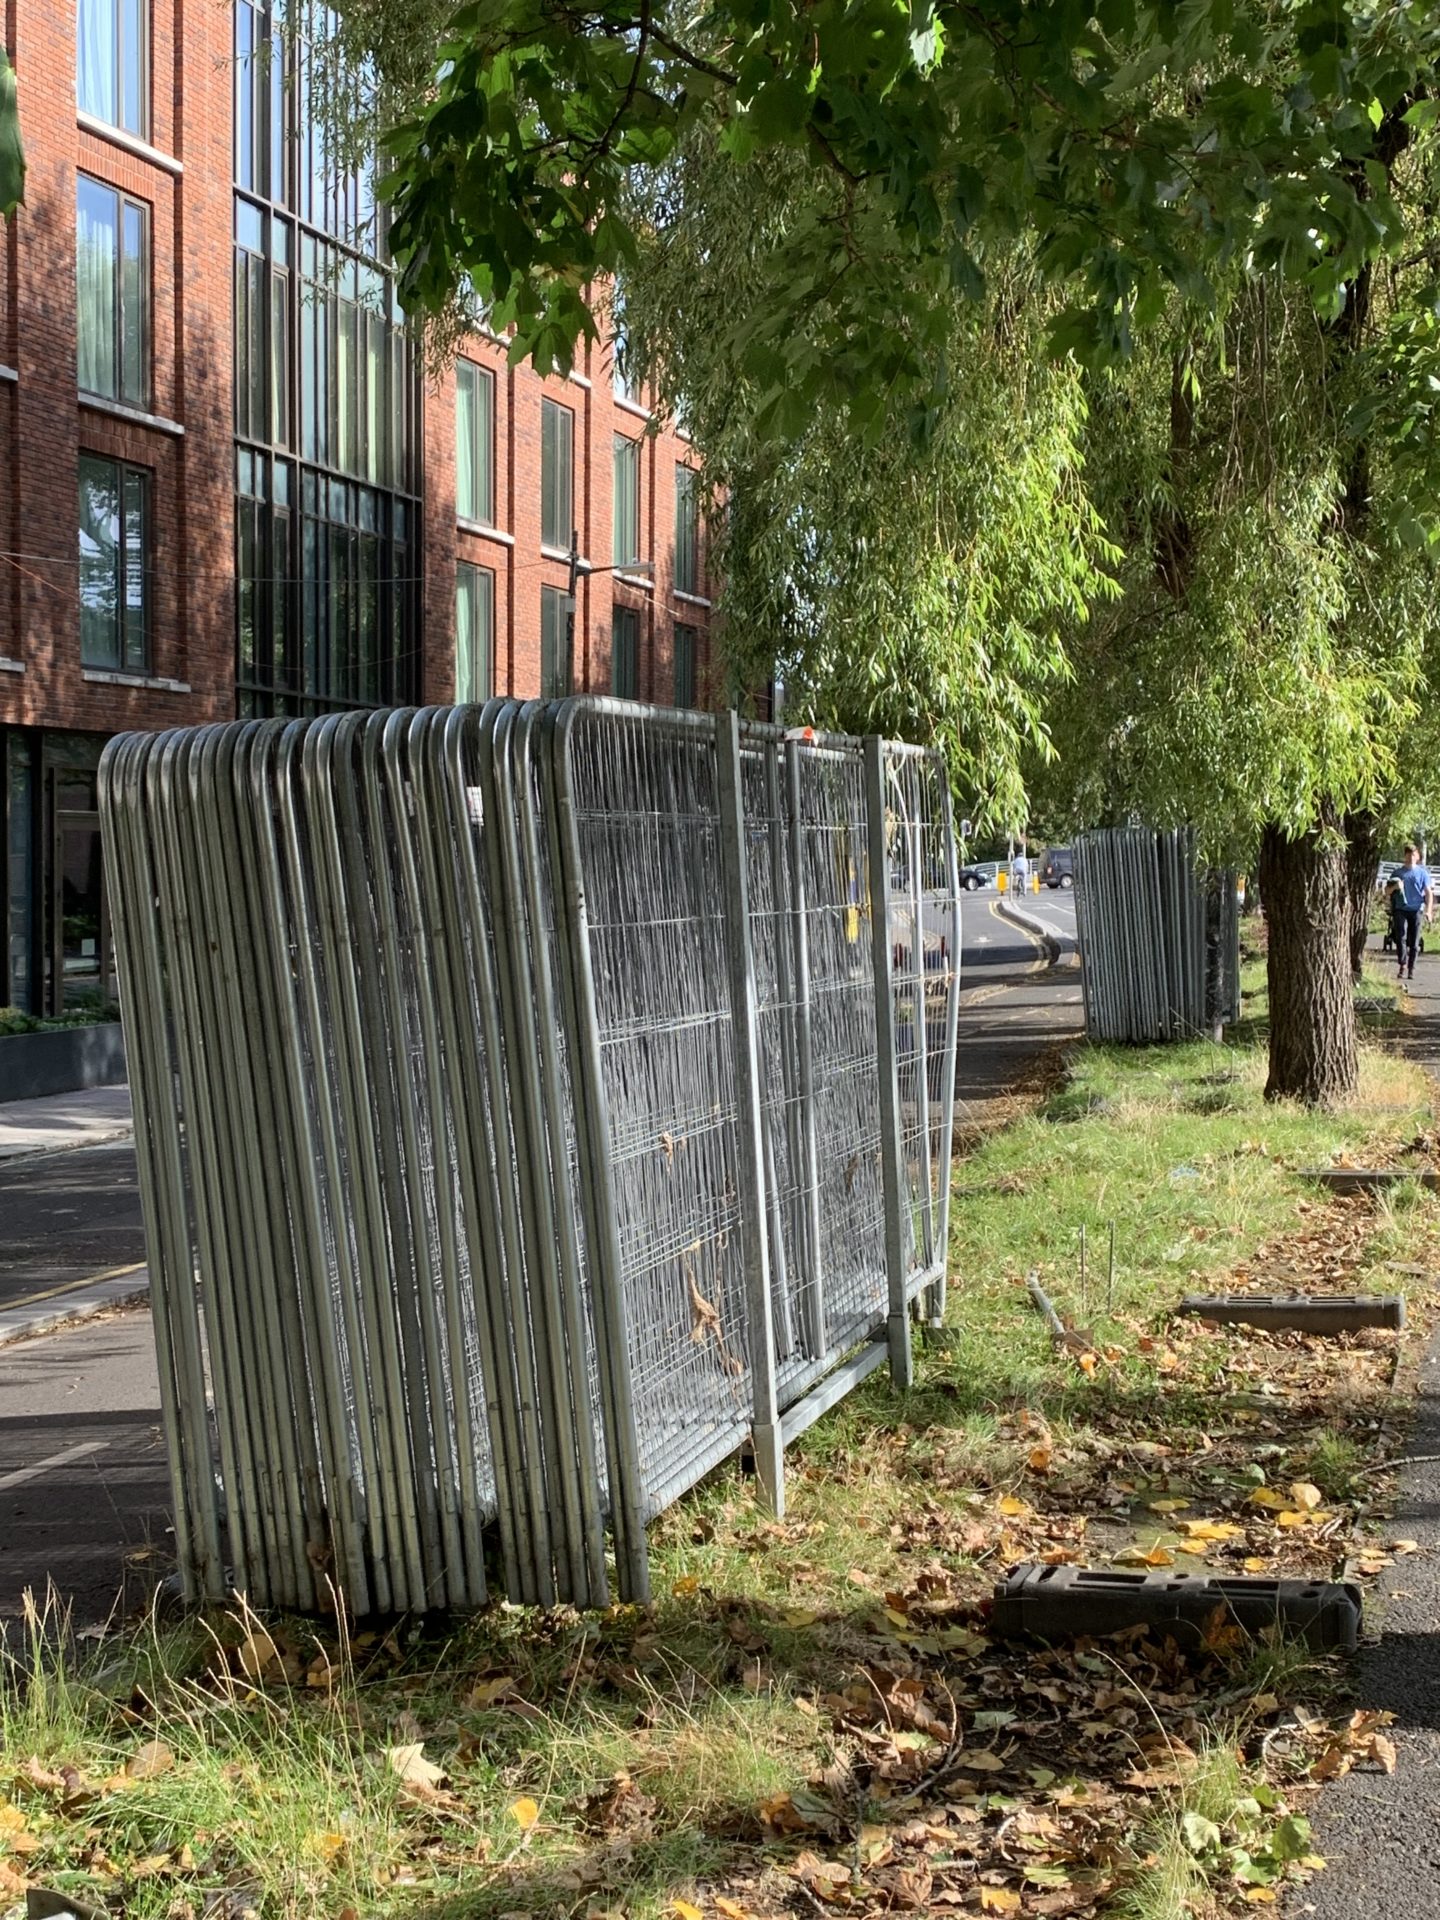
x: 1057, y: 869
x: 973, y: 878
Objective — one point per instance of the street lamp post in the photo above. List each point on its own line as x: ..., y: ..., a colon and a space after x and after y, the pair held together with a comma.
x: 576, y: 568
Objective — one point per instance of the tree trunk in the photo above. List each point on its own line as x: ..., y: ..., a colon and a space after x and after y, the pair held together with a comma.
x: 1313, y: 1054
x: 1362, y: 860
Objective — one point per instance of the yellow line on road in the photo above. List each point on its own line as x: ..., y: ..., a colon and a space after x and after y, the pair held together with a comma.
x: 1038, y: 966
x: 73, y: 1286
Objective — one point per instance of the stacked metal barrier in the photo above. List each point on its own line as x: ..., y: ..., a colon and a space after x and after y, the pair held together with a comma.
x: 535, y: 1104
x: 1159, y: 936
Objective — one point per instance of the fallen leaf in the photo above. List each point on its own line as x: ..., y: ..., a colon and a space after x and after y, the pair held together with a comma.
x: 1384, y: 1751
x: 731, y: 1909
x: 150, y: 1761
x: 1260, y: 1896
x: 1144, y: 1557
x: 325, y: 1846
x: 1038, y: 1459
x: 685, y: 1588
x: 985, y: 1761
x: 685, y: 1910
x: 12, y: 1820
x: 524, y: 1812
x: 1404, y: 1546
x: 490, y: 1691
x: 256, y: 1652
x: 1011, y: 1507
x: 1173, y: 1506
x: 150, y: 1866
x: 1265, y: 1497
x: 412, y: 1766
x: 10, y: 1880
x: 1209, y: 1529
x: 999, y: 1900
x: 38, y: 1775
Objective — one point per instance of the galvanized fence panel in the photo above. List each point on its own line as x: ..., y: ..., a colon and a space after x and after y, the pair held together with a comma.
x: 1159, y: 947
x: 536, y: 1103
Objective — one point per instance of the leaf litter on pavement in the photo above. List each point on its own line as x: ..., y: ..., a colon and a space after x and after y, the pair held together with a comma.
x: 814, y: 1716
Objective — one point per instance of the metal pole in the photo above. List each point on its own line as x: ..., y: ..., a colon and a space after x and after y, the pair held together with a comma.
x: 766, y: 1435
x: 902, y: 1359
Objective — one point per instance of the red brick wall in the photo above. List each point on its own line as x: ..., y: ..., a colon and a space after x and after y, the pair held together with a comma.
x: 192, y: 600
x: 44, y: 428
x: 519, y: 565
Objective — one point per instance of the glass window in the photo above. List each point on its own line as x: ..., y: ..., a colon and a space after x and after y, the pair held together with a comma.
x: 554, y: 643
x: 111, y: 82
x: 686, y: 648
x: 114, y: 513
x: 627, y: 501
x: 621, y: 384
x: 625, y: 654
x: 475, y: 443
x: 474, y: 632
x: 687, y: 530
x: 557, y: 475
x: 112, y: 277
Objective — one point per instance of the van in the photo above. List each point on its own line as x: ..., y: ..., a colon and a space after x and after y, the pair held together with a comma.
x: 1057, y: 869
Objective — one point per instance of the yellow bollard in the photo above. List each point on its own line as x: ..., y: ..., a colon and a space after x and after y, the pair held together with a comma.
x: 1002, y: 879
x: 1034, y: 883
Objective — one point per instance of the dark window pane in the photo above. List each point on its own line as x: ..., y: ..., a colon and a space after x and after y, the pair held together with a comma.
x: 625, y: 654
x: 627, y: 501
x: 474, y: 633
x: 685, y: 650
x: 557, y: 425
x: 113, y: 596
x: 97, y: 249
x: 687, y: 530
x: 554, y: 643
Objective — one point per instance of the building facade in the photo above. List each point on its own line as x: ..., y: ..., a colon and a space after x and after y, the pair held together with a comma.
x: 227, y: 486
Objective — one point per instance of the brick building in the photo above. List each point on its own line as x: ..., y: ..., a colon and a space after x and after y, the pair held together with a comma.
x: 226, y: 486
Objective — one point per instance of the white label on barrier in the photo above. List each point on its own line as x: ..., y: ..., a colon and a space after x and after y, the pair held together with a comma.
x: 472, y: 796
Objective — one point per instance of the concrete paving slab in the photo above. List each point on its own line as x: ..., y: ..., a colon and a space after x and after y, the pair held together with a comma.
x: 80, y: 1119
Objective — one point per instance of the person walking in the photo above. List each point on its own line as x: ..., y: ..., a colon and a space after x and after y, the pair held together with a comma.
x: 1410, y: 895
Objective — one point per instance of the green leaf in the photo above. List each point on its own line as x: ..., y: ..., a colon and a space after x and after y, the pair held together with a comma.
x: 1200, y: 1834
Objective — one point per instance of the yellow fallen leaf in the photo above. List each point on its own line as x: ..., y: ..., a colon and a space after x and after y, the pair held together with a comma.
x: 256, y: 1652
x: 1404, y: 1546
x: 147, y: 1868
x: 800, y: 1616
x: 1252, y: 1563
x: 413, y: 1768
x: 1260, y: 1896
x: 1086, y: 1362
x: 325, y: 1846
x: 685, y: 1910
x: 1172, y: 1506
x: 985, y: 1761
x: 1010, y: 1506
x: 1210, y: 1529
x: 999, y: 1900
x: 1038, y: 1459
x: 489, y: 1691
x: 1144, y: 1557
x: 1292, y: 1519
x: 1305, y: 1494
x: 524, y: 1813
x: 1266, y: 1497
x: 731, y: 1909
x: 687, y: 1585
x: 12, y: 1820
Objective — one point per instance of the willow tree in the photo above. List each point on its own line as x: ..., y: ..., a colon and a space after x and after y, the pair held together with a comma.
x: 916, y: 579
x: 1262, y: 669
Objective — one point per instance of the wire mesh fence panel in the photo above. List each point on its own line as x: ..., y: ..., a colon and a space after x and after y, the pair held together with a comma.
x: 534, y: 1103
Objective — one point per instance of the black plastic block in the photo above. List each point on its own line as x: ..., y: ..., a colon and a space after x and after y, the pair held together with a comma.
x: 1299, y: 1312
x: 1064, y: 1603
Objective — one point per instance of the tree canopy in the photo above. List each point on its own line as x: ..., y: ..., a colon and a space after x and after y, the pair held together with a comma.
x: 1144, y: 148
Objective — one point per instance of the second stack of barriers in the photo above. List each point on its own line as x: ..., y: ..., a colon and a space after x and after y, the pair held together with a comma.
x: 1159, y: 935
x: 535, y: 1103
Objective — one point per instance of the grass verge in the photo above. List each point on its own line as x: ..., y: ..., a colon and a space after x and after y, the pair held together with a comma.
x: 813, y: 1716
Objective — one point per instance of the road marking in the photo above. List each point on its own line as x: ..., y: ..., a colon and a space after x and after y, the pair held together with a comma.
x: 56, y: 1460
x: 1013, y: 926
x: 72, y: 1286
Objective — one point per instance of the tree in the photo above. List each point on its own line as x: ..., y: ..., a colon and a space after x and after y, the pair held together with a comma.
x: 920, y: 590
x: 1144, y: 147
x: 12, y: 155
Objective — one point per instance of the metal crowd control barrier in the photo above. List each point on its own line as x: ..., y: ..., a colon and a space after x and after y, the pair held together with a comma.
x: 1159, y: 936
x: 535, y: 1104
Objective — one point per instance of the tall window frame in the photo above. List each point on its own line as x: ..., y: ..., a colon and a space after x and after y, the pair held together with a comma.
x: 112, y: 293
x: 685, y: 663
x: 474, y: 632
x: 625, y: 653
x: 114, y: 515
x: 625, y: 543
x: 474, y: 443
x: 112, y: 63
x: 687, y: 529
x: 557, y: 475
x: 555, y: 609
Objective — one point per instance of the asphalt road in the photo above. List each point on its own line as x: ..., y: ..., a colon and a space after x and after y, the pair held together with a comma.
x: 65, y: 1217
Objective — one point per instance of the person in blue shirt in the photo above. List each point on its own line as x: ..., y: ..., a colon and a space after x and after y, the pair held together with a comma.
x: 1410, y: 893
